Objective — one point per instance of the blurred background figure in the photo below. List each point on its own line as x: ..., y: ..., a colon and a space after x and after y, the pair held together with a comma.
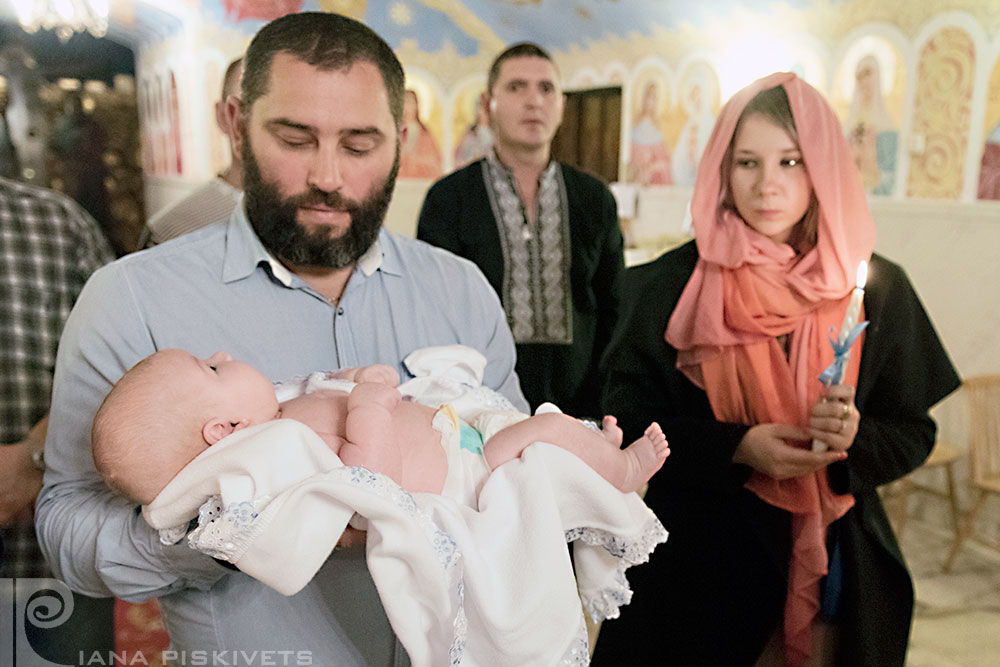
x: 215, y: 200
x: 49, y: 246
x: 79, y: 142
x: 10, y: 164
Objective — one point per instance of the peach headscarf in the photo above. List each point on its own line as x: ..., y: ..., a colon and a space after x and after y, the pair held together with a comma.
x: 747, y: 290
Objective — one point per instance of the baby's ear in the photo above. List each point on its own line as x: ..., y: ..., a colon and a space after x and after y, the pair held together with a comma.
x: 217, y: 429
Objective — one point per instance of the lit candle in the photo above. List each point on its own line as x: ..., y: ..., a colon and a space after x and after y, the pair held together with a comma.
x: 854, y: 307
x: 842, y: 351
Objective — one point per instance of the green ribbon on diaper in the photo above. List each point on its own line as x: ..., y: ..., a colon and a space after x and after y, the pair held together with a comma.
x: 470, y: 439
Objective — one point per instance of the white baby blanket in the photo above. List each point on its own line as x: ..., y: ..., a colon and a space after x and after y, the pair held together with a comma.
x: 479, y: 588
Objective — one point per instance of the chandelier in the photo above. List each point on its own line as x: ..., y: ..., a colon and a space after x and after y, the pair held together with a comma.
x: 65, y: 17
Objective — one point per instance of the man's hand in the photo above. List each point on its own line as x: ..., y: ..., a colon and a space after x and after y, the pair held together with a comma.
x: 766, y: 449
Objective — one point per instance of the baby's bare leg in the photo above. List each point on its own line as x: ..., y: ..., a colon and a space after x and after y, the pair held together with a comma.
x: 611, y: 432
x: 627, y: 469
x: 371, y: 440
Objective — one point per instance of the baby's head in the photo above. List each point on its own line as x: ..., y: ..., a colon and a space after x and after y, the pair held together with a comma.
x: 168, y: 409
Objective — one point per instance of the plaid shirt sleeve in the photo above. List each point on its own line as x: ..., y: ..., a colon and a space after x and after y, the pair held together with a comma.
x: 49, y: 246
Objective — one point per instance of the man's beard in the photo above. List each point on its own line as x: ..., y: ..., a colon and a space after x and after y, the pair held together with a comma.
x: 276, y: 220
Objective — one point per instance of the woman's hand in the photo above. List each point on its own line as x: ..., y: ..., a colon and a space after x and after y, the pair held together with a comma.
x: 834, y: 419
x: 766, y: 449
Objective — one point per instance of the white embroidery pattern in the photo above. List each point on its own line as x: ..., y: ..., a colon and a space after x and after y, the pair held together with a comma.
x: 536, y: 289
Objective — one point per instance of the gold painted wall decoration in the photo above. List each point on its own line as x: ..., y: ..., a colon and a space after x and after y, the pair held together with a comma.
x: 941, y: 113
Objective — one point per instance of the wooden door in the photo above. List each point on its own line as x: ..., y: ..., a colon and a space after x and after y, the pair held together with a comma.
x: 590, y: 135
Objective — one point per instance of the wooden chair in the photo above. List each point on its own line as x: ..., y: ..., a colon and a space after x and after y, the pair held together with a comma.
x: 983, y: 395
x: 943, y: 457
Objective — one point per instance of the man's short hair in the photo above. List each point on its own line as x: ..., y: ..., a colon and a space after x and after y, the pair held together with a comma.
x: 323, y: 40
x: 231, y: 79
x: 519, y: 50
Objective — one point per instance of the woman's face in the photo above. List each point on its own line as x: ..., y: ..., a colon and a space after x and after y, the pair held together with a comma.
x: 865, y: 78
x: 649, y: 100
x: 768, y: 179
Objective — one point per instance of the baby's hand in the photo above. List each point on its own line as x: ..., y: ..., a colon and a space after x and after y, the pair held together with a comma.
x: 379, y: 373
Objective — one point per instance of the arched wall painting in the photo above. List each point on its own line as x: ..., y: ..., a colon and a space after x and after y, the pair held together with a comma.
x: 698, y: 105
x: 941, y: 113
x: 649, y: 154
x: 420, y: 152
x: 989, y: 166
x: 868, y: 96
x: 470, y: 126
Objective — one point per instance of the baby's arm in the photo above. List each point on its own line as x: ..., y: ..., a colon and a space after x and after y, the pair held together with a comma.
x: 379, y: 373
x: 371, y: 438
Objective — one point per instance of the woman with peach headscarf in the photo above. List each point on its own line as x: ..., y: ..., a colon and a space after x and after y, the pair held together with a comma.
x: 778, y: 554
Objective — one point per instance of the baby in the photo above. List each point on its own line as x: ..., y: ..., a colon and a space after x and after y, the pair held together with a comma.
x: 171, y: 406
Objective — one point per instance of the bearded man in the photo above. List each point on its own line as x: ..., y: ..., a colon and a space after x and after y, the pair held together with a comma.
x: 300, y: 278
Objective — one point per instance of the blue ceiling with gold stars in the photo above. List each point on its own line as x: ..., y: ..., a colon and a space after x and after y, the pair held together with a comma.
x: 469, y: 25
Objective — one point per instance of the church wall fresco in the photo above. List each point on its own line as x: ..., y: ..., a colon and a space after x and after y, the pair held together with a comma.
x: 915, y: 83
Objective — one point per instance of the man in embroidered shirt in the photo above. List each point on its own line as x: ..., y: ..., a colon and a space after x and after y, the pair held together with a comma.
x: 545, y: 234
x: 214, y: 201
x: 301, y: 277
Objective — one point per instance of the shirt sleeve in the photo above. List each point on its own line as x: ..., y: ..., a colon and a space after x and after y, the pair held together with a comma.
x: 93, y: 540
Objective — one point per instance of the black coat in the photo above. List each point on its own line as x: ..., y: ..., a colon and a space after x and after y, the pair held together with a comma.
x: 715, y: 591
x: 457, y: 216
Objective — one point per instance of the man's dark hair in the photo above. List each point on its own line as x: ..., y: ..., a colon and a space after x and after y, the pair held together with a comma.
x: 519, y: 50
x: 323, y: 40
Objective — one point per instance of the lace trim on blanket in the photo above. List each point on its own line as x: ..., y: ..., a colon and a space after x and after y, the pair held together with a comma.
x: 578, y: 653
x: 485, y: 398
x: 629, y: 551
x: 227, y: 532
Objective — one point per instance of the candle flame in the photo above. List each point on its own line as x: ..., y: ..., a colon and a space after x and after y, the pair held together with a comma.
x: 862, y: 274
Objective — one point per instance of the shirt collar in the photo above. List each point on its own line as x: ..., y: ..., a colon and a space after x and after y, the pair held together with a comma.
x: 544, y: 175
x: 244, y: 253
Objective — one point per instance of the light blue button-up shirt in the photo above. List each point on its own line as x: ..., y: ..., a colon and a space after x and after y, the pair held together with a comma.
x: 219, y: 289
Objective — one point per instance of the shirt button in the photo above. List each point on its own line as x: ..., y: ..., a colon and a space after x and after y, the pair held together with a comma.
x: 340, y: 311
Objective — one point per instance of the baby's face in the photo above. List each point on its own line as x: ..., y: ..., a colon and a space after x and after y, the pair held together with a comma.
x: 235, y: 387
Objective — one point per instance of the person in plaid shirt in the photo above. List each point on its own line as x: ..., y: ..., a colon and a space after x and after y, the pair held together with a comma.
x: 49, y: 246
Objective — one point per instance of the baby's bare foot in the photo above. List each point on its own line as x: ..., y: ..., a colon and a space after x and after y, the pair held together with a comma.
x: 644, y: 456
x: 611, y: 432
